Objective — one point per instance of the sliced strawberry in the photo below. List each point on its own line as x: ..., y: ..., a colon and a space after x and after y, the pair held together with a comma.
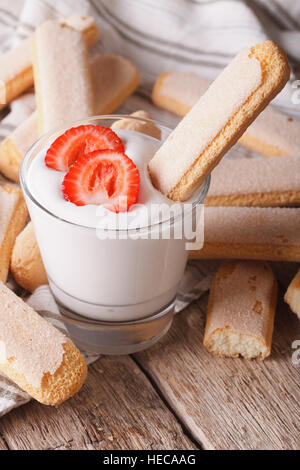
x: 103, y: 177
x: 80, y: 140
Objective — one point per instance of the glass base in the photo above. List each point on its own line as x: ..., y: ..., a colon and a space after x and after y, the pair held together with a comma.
x: 117, y: 338
x: 111, y: 313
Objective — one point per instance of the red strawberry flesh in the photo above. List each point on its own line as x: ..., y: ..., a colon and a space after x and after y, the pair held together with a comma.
x: 67, y: 148
x: 103, y: 177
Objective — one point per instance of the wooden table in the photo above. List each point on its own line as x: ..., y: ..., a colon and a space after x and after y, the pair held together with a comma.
x: 176, y: 395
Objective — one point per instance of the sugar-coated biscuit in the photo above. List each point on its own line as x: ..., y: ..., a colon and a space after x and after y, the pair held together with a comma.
x: 145, y: 127
x: 85, y: 25
x: 13, y: 215
x: 26, y: 262
x: 35, y: 355
x: 218, y: 120
x: 271, y: 134
x: 114, y: 79
x: 292, y: 295
x: 178, y: 92
x: 14, y: 147
x: 63, y: 84
x: 262, y: 233
x: 255, y: 182
x: 16, y: 73
x: 241, y: 309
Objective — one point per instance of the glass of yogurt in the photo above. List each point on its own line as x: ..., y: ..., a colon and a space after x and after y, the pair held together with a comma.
x: 114, y: 276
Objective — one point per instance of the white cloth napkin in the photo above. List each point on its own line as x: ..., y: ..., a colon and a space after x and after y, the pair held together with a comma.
x: 158, y: 35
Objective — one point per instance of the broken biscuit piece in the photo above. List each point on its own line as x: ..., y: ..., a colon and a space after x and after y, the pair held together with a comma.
x: 241, y: 310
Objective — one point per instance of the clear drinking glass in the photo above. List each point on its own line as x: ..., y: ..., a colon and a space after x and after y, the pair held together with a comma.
x: 116, y: 293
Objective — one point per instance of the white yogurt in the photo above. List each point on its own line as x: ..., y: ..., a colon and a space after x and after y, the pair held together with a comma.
x: 46, y: 187
x: 108, y: 279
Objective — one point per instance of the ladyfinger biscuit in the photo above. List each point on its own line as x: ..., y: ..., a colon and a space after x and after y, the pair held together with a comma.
x: 292, y: 295
x: 262, y: 233
x: 178, y: 92
x: 26, y: 262
x: 85, y: 25
x: 218, y: 120
x: 35, y: 355
x: 13, y: 215
x: 16, y: 73
x: 14, y: 147
x: 61, y: 75
x: 145, y: 127
x: 114, y: 79
x: 241, y: 309
x: 272, y: 133
x: 255, y: 182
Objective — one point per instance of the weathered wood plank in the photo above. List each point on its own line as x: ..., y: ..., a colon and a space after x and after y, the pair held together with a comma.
x: 3, y: 445
x: 224, y: 403
x: 117, y: 409
x: 229, y: 403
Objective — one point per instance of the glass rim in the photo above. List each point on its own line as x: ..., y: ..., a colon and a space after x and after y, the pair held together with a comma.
x: 200, y: 198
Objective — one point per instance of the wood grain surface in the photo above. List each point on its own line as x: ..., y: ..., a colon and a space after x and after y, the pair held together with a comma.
x: 116, y: 409
x: 230, y: 403
x: 3, y: 445
x: 176, y: 395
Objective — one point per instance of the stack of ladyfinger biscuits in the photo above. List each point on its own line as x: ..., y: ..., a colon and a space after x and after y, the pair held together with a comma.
x: 243, y: 294
x: 36, y: 356
x: 102, y: 83
x: 246, y: 213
